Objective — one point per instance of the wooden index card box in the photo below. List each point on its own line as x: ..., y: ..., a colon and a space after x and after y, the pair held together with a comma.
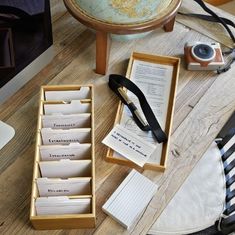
x: 157, y: 77
x: 58, y: 207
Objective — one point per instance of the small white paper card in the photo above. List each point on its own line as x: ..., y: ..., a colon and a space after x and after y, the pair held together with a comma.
x: 129, y: 145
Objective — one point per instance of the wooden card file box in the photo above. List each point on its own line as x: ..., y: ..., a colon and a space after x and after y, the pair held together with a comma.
x: 64, y: 221
x: 175, y: 63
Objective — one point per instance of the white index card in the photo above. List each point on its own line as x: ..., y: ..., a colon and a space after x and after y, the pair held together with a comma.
x: 129, y: 145
x: 63, y: 187
x: 130, y: 199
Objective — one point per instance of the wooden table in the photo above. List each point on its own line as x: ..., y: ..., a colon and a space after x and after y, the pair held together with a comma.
x: 204, y: 102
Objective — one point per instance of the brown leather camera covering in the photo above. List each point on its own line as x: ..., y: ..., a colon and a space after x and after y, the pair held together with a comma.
x: 190, y: 59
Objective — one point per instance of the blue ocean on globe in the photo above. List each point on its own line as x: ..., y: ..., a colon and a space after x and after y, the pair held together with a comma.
x: 122, y: 11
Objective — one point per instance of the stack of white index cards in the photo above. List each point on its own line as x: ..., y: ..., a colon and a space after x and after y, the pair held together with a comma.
x: 130, y: 198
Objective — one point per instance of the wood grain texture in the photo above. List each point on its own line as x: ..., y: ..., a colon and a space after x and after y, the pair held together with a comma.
x: 199, y: 115
x: 229, y: 7
x: 218, y: 2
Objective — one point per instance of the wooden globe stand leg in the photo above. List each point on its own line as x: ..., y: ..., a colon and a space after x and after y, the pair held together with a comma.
x: 102, y: 52
x: 169, y: 26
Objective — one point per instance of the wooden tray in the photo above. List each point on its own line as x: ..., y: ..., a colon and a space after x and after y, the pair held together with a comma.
x: 175, y: 62
x: 66, y: 221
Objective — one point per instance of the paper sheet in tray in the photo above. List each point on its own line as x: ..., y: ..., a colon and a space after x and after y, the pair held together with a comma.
x: 155, y: 82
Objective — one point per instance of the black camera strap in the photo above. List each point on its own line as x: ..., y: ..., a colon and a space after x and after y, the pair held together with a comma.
x: 118, y: 81
x: 213, y: 17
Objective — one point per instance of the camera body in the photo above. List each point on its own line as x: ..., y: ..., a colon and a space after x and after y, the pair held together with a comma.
x: 203, y: 56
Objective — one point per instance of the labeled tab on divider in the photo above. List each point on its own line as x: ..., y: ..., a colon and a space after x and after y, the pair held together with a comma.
x: 64, y: 187
x: 72, y: 151
x: 61, y: 121
x: 60, y: 136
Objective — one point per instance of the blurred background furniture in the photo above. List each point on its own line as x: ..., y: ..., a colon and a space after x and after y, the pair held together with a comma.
x: 29, y: 36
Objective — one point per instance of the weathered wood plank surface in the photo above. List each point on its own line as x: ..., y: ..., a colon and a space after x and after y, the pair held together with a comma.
x: 213, y: 30
x: 199, y: 114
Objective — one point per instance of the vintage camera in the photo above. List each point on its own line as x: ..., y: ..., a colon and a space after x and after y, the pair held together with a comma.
x: 203, y: 56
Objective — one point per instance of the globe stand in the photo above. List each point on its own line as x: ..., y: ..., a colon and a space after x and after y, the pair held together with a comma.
x: 165, y: 19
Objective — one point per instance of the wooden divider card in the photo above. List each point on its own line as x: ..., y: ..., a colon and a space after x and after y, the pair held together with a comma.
x: 155, y: 82
x: 64, y: 161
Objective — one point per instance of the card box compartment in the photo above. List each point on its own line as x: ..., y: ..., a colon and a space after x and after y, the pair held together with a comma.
x: 65, y: 168
x: 72, y: 151
x: 165, y: 60
x: 46, y: 206
x: 64, y: 187
x: 68, y: 121
x: 63, y: 221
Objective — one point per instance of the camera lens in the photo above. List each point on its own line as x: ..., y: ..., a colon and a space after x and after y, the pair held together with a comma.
x: 203, y: 52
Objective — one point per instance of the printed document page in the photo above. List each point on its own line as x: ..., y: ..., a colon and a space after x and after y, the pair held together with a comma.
x: 155, y: 82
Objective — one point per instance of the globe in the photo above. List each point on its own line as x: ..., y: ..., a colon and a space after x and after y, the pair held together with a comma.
x: 125, y: 19
x: 123, y: 11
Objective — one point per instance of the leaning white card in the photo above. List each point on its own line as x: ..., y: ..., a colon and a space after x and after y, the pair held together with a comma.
x: 66, y: 168
x: 75, y: 106
x: 82, y: 93
x: 129, y: 145
x: 6, y: 134
x: 130, y: 198
x: 62, y: 205
x: 60, y: 136
x: 60, y: 121
x: 64, y: 187
x: 73, y: 151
